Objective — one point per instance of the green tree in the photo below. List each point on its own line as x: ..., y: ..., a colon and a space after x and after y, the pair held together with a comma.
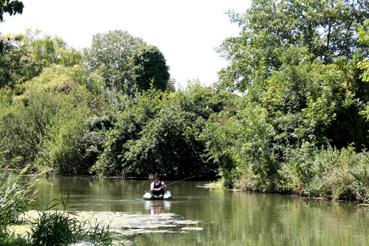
x: 150, y: 69
x: 111, y: 54
x: 24, y: 56
x: 10, y: 60
x: 301, y: 65
x: 160, y: 132
x: 61, y: 152
x: 364, y: 40
x: 10, y: 7
x: 59, y: 97
x: 23, y: 125
x: 327, y: 29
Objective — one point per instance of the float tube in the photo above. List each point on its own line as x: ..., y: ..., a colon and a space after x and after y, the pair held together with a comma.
x: 149, y: 196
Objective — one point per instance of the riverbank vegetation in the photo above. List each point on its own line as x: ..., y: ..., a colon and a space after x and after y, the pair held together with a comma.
x: 289, y: 113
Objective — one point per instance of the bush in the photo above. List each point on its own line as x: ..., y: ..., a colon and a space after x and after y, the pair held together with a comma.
x: 30, y: 118
x: 13, y: 241
x: 60, y: 146
x: 242, y: 143
x: 23, y: 125
x: 329, y: 173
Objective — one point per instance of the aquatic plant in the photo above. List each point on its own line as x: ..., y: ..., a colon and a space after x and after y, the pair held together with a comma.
x: 60, y: 227
x: 55, y: 228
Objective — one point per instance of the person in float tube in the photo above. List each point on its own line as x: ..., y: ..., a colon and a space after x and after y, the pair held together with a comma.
x: 157, y: 186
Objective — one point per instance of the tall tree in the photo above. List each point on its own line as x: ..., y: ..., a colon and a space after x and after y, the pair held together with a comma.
x: 327, y: 29
x: 111, y: 54
x: 24, y: 56
x: 10, y: 7
x: 364, y: 40
x: 150, y: 69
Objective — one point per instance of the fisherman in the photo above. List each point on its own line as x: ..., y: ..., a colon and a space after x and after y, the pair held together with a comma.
x: 157, y: 187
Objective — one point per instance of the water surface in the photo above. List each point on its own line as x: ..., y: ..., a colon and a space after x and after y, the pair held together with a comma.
x: 227, y: 218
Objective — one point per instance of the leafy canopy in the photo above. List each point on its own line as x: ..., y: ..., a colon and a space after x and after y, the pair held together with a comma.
x: 150, y: 69
x: 327, y: 29
x: 24, y: 56
x: 111, y: 55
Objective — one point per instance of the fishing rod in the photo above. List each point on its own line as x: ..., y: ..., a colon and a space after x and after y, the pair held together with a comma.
x: 177, y: 181
x: 181, y: 180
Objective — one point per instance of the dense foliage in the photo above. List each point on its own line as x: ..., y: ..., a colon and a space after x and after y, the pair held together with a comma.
x: 302, y: 67
x: 327, y: 30
x: 64, y: 116
x: 150, y: 69
x: 24, y: 56
x: 160, y: 133
x: 289, y: 114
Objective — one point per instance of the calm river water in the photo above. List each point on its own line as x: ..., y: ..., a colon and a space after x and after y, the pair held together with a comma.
x: 227, y: 218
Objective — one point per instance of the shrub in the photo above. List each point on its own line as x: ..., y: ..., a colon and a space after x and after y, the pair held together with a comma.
x: 60, y: 146
x: 329, y: 173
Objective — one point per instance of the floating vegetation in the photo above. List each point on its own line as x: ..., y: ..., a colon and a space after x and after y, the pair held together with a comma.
x: 192, y: 229
x: 124, y: 224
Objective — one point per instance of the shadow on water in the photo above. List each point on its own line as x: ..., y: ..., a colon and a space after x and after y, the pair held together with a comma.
x: 228, y: 218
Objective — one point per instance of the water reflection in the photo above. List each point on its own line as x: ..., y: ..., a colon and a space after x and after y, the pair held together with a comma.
x: 157, y: 207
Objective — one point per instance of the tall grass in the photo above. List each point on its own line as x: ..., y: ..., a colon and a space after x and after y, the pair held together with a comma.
x: 16, y: 196
x: 55, y: 229
x: 61, y: 228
